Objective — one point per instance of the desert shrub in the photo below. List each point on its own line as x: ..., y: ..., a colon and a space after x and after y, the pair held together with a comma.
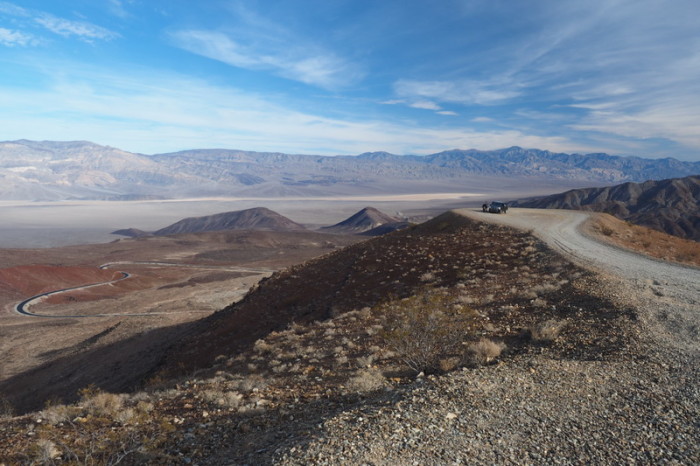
x: 366, y: 380
x: 546, y: 331
x: 56, y: 414
x: 486, y: 351
x: 45, y: 451
x: 607, y: 231
x: 104, y: 404
x: 450, y: 364
x: 225, y: 399
x: 425, y: 328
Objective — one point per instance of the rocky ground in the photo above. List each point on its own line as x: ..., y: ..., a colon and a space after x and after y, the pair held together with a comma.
x: 599, y: 388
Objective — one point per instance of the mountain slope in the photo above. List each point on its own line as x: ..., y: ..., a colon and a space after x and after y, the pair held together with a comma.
x: 48, y: 170
x: 671, y: 206
x: 364, y: 220
x: 258, y: 218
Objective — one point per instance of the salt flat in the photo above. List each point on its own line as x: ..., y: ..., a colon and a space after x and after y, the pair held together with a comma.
x: 52, y: 224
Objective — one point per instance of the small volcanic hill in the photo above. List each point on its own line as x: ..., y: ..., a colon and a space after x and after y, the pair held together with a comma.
x: 257, y: 218
x: 131, y: 232
x: 671, y: 206
x: 363, y: 221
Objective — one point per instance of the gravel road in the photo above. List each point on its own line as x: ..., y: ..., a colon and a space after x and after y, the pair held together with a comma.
x: 667, y: 295
x: 640, y: 407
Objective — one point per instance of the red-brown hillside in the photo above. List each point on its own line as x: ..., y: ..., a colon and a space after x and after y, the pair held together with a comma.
x: 28, y: 280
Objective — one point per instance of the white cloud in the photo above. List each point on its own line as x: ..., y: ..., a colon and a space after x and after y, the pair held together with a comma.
x: 12, y: 38
x: 155, y: 112
x: 393, y: 102
x: 448, y: 113
x: 83, y: 30
x: 425, y: 104
x: 463, y: 92
x: 308, y: 65
x: 117, y: 8
x: 12, y: 9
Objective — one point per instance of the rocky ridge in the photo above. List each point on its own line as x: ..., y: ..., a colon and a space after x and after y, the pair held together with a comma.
x: 671, y: 205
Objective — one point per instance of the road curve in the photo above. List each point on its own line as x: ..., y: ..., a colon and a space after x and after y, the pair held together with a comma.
x: 22, y: 307
x: 667, y: 294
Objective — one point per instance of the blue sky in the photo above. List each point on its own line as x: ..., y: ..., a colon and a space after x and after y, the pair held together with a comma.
x: 349, y: 76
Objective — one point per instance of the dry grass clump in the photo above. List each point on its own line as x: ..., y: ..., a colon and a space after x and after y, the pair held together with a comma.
x: 366, y: 380
x: 546, y: 331
x: 104, y: 404
x: 59, y: 413
x: 486, y: 351
x: 103, y: 428
x: 45, y: 452
x: 224, y: 399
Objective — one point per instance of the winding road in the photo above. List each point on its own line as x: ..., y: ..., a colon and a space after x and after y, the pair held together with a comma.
x: 667, y: 294
x: 23, y: 307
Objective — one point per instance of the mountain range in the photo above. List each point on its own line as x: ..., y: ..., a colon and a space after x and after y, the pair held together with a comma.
x: 671, y: 205
x: 50, y: 170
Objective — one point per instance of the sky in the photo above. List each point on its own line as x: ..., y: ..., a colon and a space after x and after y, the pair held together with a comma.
x: 334, y: 77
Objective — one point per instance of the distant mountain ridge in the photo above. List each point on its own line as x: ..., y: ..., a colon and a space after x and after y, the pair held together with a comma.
x: 48, y: 170
x: 671, y: 205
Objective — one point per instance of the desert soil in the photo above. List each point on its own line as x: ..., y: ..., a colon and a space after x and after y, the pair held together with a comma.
x: 576, y: 401
x: 639, y: 407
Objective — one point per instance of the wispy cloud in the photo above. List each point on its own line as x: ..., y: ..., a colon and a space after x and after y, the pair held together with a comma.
x: 118, y: 8
x: 425, y: 104
x: 257, y: 42
x: 147, y: 111
x: 12, y: 38
x: 81, y: 29
x: 12, y: 9
x: 462, y: 92
x: 304, y: 64
x: 25, y: 18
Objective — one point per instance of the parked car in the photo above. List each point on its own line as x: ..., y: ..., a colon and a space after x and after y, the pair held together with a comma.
x: 495, y: 207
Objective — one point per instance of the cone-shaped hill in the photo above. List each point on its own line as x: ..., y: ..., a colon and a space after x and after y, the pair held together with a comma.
x: 257, y: 218
x: 364, y: 220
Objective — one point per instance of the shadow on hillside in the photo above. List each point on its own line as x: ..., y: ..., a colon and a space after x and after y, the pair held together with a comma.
x: 117, y: 367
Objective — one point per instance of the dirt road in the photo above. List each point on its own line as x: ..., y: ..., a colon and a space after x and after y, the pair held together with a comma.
x: 667, y: 295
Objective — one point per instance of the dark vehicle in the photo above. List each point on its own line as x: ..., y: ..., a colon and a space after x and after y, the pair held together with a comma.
x: 495, y: 207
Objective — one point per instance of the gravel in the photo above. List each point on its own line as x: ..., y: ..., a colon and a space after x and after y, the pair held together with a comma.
x: 640, y: 407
